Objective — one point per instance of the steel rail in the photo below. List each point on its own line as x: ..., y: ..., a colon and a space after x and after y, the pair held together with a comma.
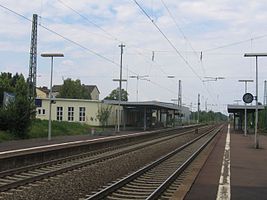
x: 49, y: 173
x: 108, y: 190
x: 81, y: 155
x: 160, y: 190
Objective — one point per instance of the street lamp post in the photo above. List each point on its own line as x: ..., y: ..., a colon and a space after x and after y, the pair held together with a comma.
x: 246, y: 82
x: 256, y: 55
x: 51, y: 55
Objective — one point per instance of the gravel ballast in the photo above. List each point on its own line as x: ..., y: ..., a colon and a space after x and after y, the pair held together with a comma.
x: 79, y: 183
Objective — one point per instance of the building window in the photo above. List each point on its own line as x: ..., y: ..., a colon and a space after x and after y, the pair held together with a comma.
x: 82, y: 114
x: 59, y: 113
x: 41, y: 111
x: 70, y: 113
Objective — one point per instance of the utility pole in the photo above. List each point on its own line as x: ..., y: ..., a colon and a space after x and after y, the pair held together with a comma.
x: 119, y: 113
x: 265, y: 93
x: 198, y: 107
x: 180, y: 100
x: 33, y: 59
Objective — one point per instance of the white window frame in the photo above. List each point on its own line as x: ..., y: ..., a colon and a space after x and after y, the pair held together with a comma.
x: 82, y: 114
x: 70, y: 114
x: 59, y: 113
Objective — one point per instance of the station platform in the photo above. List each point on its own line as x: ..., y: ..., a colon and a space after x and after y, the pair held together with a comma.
x: 247, y: 175
x: 25, y: 144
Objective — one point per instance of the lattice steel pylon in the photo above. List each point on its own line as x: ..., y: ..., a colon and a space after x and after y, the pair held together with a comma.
x: 33, y: 59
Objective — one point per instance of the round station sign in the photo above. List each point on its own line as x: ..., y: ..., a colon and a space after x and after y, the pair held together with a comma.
x: 248, y: 98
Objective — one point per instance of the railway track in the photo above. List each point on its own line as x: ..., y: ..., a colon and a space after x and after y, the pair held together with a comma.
x: 21, y: 176
x: 153, y: 180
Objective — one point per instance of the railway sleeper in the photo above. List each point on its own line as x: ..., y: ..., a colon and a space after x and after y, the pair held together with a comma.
x: 129, y: 196
x: 130, y: 189
x: 118, y: 198
x: 147, y: 182
x: 140, y: 192
x: 137, y: 186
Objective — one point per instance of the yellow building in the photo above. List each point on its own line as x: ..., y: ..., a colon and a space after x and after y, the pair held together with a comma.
x: 75, y: 110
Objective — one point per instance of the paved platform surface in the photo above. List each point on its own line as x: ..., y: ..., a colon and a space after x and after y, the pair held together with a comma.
x: 28, y: 143
x: 248, y: 170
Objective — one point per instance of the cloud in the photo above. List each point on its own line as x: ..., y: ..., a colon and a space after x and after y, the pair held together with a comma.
x: 206, y: 24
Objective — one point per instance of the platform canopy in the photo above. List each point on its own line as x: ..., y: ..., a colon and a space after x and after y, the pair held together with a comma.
x: 148, y: 104
x: 234, y: 108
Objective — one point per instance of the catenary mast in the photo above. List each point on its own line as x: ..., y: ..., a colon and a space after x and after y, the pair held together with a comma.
x: 33, y: 59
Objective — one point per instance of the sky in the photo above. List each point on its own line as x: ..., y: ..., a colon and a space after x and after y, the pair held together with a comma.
x: 187, y: 39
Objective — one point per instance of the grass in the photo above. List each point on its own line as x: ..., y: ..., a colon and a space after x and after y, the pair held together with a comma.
x: 5, y: 136
x: 39, y: 128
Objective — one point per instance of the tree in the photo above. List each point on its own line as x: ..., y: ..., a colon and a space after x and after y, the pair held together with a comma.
x: 74, y: 90
x: 16, y: 115
x: 210, y: 116
x: 114, y: 95
x: 7, y: 84
x: 103, y: 115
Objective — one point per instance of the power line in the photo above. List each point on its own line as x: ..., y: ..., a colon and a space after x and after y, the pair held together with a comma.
x: 184, y: 36
x: 236, y: 43
x: 168, y: 40
x: 16, y: 13
x: 178, y: 27
x: 80, y: 45
x: 91, y: 22
x: 172, y: 45
x: 60, y: 35
x: 111, y: 36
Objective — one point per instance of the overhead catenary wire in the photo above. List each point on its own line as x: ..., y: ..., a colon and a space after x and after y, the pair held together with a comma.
x: 173, y: 46
x: 115, y: 38
x: 184, y: 36
x: 179, y: 28
x: 62, y: 36
x: 168, y: 40
x: 81, y: 46
x: 111, y: 36
x: 236, y: 43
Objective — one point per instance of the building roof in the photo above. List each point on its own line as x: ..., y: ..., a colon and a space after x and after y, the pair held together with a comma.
x: 154, y: 104
x: 71, y: 100
x: 90, y: 88
x: 44, y: 89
